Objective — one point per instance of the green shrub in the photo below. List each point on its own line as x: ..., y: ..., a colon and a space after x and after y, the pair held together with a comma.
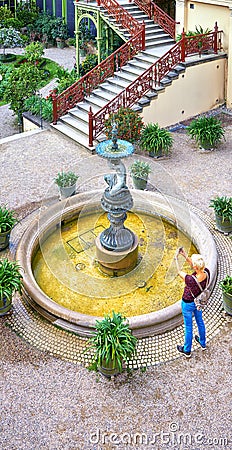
x: 140, y: 169
x: 155, y: 139
x: 113, y: 341
x: 9, y: 38
x: 7, y: 219
x: 88, y: 64
x: 222, y: 207
x: 27, y: 13
x: 39, y: 107
x: 226, y: 284
x: 34, y: 52
x: 65, y: 79
x: 129, y: 124
x: 207, y: 131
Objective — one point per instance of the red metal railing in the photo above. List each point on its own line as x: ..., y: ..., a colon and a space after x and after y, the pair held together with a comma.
x: 164, y: 20
x: 151, y: 77
x: 158, y: 15
x: 85, y: 85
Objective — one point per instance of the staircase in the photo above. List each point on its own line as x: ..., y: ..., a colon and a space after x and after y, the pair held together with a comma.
x: 74, y: 124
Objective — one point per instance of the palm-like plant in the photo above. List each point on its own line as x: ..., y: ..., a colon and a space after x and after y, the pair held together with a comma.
x: 7, y: 219
x: 155, y: 139
x: 113, y: 341
x: 207, y: 131
x: 222, y: 207
x: 10, y: 279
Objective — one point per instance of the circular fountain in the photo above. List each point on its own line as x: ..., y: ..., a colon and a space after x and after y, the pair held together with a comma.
x: 97, y: 264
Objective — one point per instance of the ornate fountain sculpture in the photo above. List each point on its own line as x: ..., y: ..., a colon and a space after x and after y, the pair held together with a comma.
x: 117, y: 246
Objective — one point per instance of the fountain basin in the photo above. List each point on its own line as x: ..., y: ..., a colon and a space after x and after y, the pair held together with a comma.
x: 171, y: 209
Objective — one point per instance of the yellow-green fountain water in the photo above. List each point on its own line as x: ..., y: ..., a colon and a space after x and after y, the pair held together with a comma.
x: 65, y: 267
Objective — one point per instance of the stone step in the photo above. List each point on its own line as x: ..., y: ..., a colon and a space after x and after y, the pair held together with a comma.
x: 75, y: 123
x: 75, y: 135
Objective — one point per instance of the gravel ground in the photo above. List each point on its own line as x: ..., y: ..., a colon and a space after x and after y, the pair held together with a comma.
x: 50, y: 404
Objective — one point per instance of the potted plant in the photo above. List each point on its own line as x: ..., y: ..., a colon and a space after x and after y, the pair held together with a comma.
x: 226, y: 285
x: 155, y: 140
x: 223, y: 213
x: 129, y: 124
x: 66, y: 182
x: 207, y: 132
x: 60, y: 32
x: 7, y: 222
x: 114, y: 343
x: 139, y: 171
x: 10, y: 283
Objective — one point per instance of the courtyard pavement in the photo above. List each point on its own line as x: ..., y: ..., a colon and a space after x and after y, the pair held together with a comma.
x: 53, y: 404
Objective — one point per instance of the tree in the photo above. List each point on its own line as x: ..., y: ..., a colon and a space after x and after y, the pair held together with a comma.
x: 9, y: 38
x: 34, y: 52
x: 25, y: 80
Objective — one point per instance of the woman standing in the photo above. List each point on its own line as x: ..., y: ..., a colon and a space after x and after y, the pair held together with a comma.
x: 192, y: 290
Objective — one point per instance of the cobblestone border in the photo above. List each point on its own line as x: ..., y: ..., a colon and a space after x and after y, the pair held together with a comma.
x: 41, y: 334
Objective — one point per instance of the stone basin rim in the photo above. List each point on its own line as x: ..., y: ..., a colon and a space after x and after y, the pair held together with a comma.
x: 142, y: 325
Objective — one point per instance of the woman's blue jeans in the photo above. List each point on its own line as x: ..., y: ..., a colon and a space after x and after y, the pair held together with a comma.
x: 188, y: 310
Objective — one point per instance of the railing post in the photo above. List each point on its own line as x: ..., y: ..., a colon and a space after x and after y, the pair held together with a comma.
x: 54, y: 108
x: 183, y: 45
x: 215, y: 38
x: 90, y: 127
x: 143, y: 36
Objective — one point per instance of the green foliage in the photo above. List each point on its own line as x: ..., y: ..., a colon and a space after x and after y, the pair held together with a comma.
x: 72, y: 41
x: 27, y: 13
x: 226, y: 284
x: 207, y: 131
x: 44, y: 25
x: 10, y: 278
x: 113, y: 341
x: 5, y: 14
x: 5, y: 71
x: 198, y: 30
x: 14, y: 23
x: 7, y: 219
x: 222, y: 207
x: 85, y: 34
x: 65, y: 79
x: 9, y: 38
x: 129, y: 124
x: 59, y: 29
x: 66, y: 179
x: 88, y: 64
x: 155, y: 139
x: 25, y: 80
x: 140, y: 169
x: 39, y: 106
x: 34, y: 52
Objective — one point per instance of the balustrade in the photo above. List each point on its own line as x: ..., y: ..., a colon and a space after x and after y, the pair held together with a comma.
x: 152, y: 77
x: 85, y: 85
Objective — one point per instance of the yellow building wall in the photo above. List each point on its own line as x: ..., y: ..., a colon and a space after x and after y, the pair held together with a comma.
x: 205, y: 15
x: 199, y: 89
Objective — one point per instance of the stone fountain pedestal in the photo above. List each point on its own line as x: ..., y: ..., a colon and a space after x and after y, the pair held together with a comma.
x: 116, y: 246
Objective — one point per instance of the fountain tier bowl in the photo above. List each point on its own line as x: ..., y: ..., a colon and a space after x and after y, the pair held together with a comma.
x: 172, y: 210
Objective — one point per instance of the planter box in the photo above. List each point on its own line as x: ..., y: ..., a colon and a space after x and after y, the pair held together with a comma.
x: 5, y: 306
x: 224, y: 226
x: 4, y: 240
x: 227, y: 302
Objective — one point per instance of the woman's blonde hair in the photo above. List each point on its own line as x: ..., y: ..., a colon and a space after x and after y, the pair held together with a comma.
x: 198, y: 261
